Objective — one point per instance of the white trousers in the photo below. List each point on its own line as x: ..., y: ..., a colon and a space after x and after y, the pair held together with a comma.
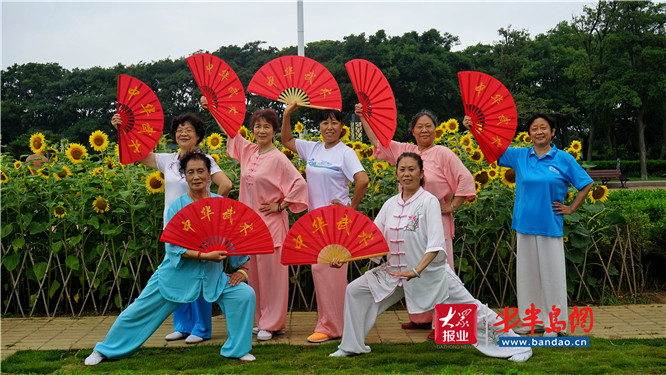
x: 541, y: 276
x: 361, y: 312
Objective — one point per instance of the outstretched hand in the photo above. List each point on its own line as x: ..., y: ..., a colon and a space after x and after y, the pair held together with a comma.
x: 407, y: 275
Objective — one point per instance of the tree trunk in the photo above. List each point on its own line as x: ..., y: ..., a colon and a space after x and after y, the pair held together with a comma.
x: 641, y: 141
x: 662, y: 153
x: 590, y: 138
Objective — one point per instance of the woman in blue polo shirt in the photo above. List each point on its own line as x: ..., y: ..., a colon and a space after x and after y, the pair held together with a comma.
x: 543, y: 175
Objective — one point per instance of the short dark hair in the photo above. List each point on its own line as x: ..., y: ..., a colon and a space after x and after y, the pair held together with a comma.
x: 325, y: 114
x: 423, y: 112
x: 549, y: 120
x: 194, y: 155
x: 416, y: 157
x: 193, y: 119
x: 267, y: 114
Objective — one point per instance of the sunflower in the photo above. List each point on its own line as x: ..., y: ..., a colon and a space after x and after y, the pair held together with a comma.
x: 565, y: 239
x: 100, y: 205
x: 345, y: 133
x: 3, y: 177
x: 509, y: 177
x: 456, y: 150
x: 468, y: 149
x: 116, y: 150
x: 37, y: 143
x: 452, y: 141
x: 110, y: 162
x: 66, y: 172
x: 482, y: 177
x: 17, y: 165
x: 298, y: 128
x: 98, y: 171
x: 52, y: 154
x: 574, y: 153
x: 380, y: 167
x: 494, y: 166
x: 575, y: 146
x: 466, y: 140
x: 598, y: 193
x: 76, y: 152
x: 452, y: 125
x: 477, y: 186
x: 290, y: 154
x: 469, y: 203
x: 476, y: 155
x: 43, y: 173
x: 493, y: 173
x: 569, y: 196
x: 521, y: 137
x: 59, y: 212
x: 214, y: 141
x: 243, y: 132
x: 155, y: 183
x: 368, y: 152
x: 99, y: 141
x: 527, y: 139
x: 216, y: 157
x: 439, y: 133
x: 276, y: 144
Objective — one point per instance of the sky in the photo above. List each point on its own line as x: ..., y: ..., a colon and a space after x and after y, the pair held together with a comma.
x: 84, y: 34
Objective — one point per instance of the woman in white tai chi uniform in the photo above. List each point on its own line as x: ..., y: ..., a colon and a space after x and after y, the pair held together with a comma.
x: 415, y: 269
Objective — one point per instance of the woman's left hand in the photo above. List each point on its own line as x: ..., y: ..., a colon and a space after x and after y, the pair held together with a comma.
x: 561, y: 209
x: 269, y: 207
x: 236, y: 278
x: 407, y: 275
x: 446, y: 208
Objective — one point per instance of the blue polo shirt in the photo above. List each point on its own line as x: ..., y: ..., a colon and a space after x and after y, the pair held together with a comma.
x: 540, y: 181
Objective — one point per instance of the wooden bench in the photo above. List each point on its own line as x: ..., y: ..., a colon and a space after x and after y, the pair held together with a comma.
x: 606, y: 175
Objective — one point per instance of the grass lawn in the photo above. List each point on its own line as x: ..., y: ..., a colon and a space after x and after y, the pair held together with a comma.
x: 625, y: 356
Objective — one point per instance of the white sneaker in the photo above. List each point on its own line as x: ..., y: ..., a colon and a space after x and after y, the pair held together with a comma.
x: 175, y: 336
x: 193, y: 339
x: 94, y: 358
x: 247, y: 358
x: 255, y: 330
x: 264, y: 335
x: 521, y: 357
x: 527, y: 330
x: 341, y: 353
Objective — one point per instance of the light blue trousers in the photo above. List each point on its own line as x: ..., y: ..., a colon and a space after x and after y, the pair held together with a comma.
x: 144, y: 316
x: 194, y: 318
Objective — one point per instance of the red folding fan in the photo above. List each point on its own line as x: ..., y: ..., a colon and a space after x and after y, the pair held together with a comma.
x: 492, y: 110
x: 223, y: 89
x: 332, y: 232
x: 142, y: 116
x: 298, y: 79
x: 375, y: 94
x: 217, y: 223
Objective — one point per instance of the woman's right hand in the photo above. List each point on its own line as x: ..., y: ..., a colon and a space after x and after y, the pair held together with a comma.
x: 291, y: 108
x: 467, y: 121
x: 335, y: 263
x: 215, y: 256
x: 358, y: 110
x: 116, y: 121
x: 204, y: 102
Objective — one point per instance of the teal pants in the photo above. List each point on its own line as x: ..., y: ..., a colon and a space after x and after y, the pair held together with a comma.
x: 144, y: 316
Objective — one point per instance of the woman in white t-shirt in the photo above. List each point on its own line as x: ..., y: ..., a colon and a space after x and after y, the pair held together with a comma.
x: 191, y: 321
x: 331, y: 166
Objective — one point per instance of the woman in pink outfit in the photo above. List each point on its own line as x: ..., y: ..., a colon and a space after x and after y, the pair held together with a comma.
x: 446, y: 177
x: 269, y: 184
x: 331, y: 166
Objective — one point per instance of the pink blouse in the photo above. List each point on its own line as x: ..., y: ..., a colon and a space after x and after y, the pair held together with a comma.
x: 268, y: 177
x: 445, y: 174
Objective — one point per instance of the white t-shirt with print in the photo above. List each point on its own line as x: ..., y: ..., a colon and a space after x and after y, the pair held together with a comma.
x: 328, y: 171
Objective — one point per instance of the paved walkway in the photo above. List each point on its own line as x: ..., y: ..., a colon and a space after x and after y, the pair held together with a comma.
x: 627, y: 321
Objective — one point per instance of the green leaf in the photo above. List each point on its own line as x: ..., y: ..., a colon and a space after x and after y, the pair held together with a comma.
x: 11, y: 261
x: 36, y: 227
x: 75, y: 240
x: 40, y: 270
x: 55, y: 285
x: 7, y: 229
x: 56, y: 247
x: 27, y: 219
x: 125, y: 273
x: 72, y: 262
x: 94, y: 222
x: 18, y: 243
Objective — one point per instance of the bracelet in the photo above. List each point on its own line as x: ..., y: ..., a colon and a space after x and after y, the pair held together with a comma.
x: 199, y: 256
x: 452, y: 208
x: 416, y: 273
x: 280, y: 209
x: 244, y: 273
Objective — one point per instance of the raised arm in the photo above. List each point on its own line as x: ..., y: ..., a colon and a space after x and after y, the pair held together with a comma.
x: 149, y: 160
x: 204, y: 103
x: 358, y: 110
x: 286, y: 135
